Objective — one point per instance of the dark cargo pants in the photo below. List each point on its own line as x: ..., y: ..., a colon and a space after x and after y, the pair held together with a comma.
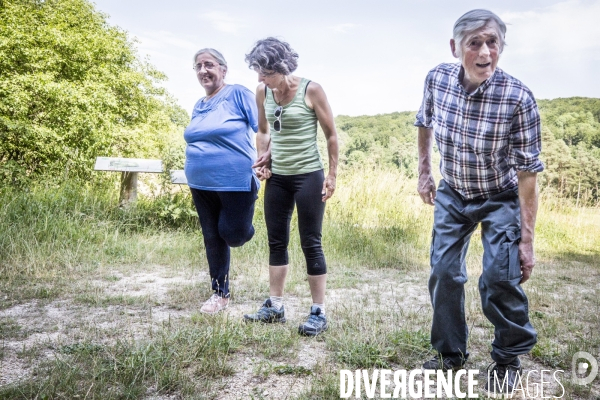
x: 503, y: 300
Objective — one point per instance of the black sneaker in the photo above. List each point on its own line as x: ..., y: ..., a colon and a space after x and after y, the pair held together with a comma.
x: 502, y: 380
x: 315, y: 324
x: 443, y: 363
x: 267, y: 313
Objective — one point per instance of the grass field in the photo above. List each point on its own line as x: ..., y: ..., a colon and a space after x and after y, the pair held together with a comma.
x: 97, y: 302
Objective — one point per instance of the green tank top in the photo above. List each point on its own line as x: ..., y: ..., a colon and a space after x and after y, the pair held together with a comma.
x: 294, y: 149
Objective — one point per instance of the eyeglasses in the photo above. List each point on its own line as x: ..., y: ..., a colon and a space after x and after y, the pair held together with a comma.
x: 277, y: 113
x: 207, y: 66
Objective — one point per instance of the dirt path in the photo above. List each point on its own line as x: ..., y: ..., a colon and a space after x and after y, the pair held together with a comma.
x: 46, y: 327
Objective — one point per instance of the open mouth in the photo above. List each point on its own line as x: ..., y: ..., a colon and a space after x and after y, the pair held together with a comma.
x: 483, y: 65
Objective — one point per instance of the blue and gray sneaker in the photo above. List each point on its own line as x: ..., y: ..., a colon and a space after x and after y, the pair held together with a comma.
x: 267, y: 313
x: 315, y: 324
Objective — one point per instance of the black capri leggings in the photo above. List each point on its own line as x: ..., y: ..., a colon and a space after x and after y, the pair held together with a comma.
x: 282, y: 192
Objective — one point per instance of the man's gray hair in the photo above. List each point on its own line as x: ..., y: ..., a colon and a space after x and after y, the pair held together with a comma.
x: 216, y: 54
x: 474, y: 20
x: 272, y: 54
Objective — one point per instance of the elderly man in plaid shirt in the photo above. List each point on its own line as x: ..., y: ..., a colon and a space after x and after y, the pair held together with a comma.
x: 487, y: 129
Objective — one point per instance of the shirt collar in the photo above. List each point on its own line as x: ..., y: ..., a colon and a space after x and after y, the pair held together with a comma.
x: 459, y: 73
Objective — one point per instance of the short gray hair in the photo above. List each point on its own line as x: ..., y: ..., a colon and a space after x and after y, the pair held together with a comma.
x: 216, y: 54
x: 473, y: 20
x: 272, y: 54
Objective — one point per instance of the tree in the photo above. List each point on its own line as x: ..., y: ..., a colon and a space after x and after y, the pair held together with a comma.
x: 72, y: 88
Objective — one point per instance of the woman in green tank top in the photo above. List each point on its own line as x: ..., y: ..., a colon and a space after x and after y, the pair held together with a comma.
x: 289, y: 108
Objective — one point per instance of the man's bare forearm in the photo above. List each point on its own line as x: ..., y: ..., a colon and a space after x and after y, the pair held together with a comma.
x: 425, y: 144
x: 528, y: 200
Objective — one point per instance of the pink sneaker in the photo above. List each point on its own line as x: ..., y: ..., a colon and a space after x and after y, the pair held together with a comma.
x: 214, y: 304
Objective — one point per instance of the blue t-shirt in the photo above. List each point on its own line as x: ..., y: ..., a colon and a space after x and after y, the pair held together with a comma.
x: 220, y: 145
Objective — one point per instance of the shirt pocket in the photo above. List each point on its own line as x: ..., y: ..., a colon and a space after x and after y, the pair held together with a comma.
x: 492, y: 136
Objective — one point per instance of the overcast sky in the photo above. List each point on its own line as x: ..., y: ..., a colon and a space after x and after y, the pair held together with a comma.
x: 370, y: 56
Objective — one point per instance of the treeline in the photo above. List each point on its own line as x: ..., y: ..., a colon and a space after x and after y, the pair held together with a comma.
x: 571, y: 152
x: 73, y: 88
x: 380, y: 140
x: 570, y: 133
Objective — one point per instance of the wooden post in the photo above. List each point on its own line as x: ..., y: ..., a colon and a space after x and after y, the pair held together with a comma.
x: 128, y: 192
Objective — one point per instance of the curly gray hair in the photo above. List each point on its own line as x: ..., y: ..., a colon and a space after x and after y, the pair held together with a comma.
x: 473, y: 20
x: 272, y: 54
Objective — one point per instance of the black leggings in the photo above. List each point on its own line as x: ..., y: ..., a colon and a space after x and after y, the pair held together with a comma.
x: 226, y: 221
x: 282, y: 192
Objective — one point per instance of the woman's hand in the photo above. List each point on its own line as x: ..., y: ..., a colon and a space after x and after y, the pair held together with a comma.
x: 264, y: 160
x: 263, y: 173
x: 328, y: 187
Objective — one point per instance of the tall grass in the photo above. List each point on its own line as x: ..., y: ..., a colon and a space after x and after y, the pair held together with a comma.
x: 72, y: 226
x: 377, y: 220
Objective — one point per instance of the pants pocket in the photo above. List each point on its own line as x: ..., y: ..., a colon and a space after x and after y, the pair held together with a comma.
x: 431, y: 247
x: 507, y: 259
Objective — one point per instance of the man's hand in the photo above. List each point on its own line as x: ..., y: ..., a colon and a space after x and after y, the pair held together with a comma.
x: 426, y: 188
x: 328, y: 187
x: 527, y: 260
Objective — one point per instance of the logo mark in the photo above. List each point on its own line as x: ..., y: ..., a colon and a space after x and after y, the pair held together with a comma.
x: 581, y: 368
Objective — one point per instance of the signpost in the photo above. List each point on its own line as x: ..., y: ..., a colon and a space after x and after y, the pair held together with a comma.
x: 129, y: 168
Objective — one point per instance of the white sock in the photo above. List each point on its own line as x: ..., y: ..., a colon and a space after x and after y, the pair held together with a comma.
x: 321, y: 306
x: 276, y: 302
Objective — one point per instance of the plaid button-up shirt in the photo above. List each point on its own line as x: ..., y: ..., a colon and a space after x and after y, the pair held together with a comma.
x: 483, y: 137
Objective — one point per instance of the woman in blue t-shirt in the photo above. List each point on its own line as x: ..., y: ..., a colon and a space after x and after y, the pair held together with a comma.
x: 218, y: 166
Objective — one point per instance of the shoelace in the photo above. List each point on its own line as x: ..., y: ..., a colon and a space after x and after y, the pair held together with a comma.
x: 313, y: 319
x: 501, y: 370
x: 264, y: 311
x: 214, y: 298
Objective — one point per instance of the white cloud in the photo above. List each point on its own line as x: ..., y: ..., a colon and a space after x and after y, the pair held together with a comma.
x: 163, y: 39
x: 224, y: 22
x: 570, y: 26
x: 554, y: 49
x: 343, y: 28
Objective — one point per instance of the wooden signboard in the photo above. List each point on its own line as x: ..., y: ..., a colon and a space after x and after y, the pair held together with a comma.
x: 178, y: 177
x: 128, y: 165
x: 129, y: 168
